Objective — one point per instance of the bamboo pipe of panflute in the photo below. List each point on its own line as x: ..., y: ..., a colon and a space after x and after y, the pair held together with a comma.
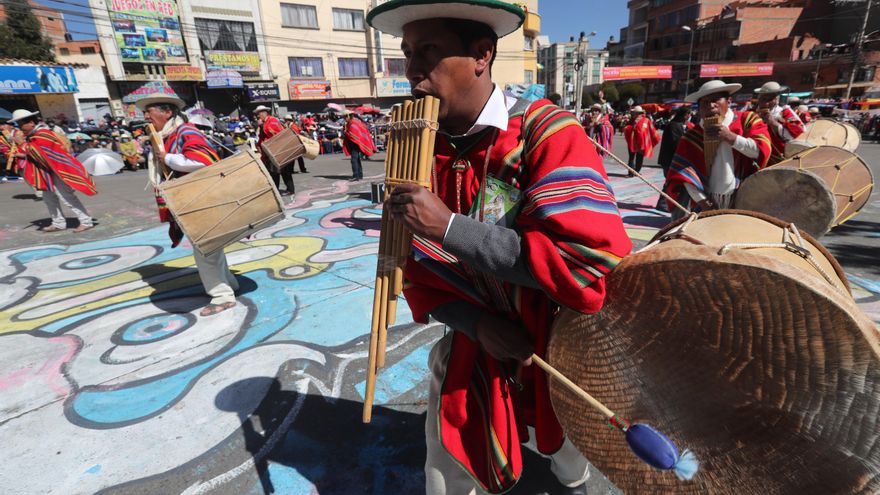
x: 409, y: 157
x: 158, y: 145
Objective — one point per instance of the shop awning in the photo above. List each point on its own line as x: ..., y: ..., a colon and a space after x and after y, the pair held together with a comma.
x: 866, y: 84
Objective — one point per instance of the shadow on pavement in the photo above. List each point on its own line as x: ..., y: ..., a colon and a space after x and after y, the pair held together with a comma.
x: 334, y: 177
x: 32, y: 197
x: 166, y: 292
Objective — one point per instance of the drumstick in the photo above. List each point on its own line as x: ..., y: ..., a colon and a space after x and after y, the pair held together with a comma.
x: 648, y: 444
x: 640, y: 176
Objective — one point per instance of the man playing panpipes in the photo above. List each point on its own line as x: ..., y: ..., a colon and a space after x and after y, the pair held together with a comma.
x: 270, y: 126
x: 497, y: 285
x: 598, y: 126
x: 187, y: 150
x: 743, y: 149
x: 48, y: 167
x: 783, y: 123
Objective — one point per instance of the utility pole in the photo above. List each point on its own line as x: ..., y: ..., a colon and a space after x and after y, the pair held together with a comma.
x: 578, y: 86
x: 687, y: 81
x: 857, y: 50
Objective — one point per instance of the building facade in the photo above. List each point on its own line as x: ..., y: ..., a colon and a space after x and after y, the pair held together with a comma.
x: 560, y: 71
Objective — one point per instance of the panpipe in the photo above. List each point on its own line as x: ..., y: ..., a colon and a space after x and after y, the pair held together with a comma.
x: 10, y: 158
x: 710, y: 144
x: 408, y: 161
x: 158, y: 144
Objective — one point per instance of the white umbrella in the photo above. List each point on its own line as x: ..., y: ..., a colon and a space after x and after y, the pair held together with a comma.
x: 101, y: 161
x: 201, y: 120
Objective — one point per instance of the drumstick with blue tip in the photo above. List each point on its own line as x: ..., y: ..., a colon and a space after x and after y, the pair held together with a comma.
x: 648, y: 444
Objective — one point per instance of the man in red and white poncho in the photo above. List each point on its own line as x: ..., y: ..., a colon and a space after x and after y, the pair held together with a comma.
x: 269, y: 127
x: 495, y: 279
x: 744, y: 149
x: 642, y: 140
x: 783, y: 123
x: 50, y: 168
x: 185, y: 150
x: 357, y: 141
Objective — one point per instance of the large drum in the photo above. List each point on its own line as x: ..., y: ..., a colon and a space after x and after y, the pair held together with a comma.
x: 283, y: 148
x: 737, y: 337
x: 817, y: 189
x: 218, y: 205
x: 312, y: 147
x: 825, y: 132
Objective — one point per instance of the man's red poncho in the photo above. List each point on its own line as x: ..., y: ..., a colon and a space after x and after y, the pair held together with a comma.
x: 572, y: 236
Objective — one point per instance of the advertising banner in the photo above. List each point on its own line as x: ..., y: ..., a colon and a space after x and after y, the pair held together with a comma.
x: 248, y: 62
x: 224, y: 79
x: 147, y: 31
x: 309, y: 90
x: 637, y: 72
x: 734, y: 70
x: 183, y: 73
x: 263, y: 92
x: 29, y: 79
x: 391, y: 86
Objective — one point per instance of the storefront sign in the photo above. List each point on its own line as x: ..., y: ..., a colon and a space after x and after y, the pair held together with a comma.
x: 183, y: 73
x: 637, y: 72
x: 24, y: 79
x: 238, y: 61
x: 263, y: 92
x: 224, y: 79
x: 309, y: 90
x: 132, y: 92
x: 734, y: 70
x: 389, y: 86
x: 147, y: 30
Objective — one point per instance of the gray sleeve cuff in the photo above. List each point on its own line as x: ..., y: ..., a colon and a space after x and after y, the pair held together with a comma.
x: 460, y: 316
x: 491, y: 249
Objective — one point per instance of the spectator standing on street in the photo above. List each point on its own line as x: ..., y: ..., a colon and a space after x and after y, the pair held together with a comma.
x: 674, y: 130
x: 358, y: 141
x: 48, y: 167
x: 269, y: 127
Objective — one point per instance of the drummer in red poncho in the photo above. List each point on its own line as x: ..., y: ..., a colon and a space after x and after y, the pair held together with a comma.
x: 783, y: 123
x: 357, y: 141
x: 497, y: 279
x: 642, y: 139
x: 48, y: 167
x: 187, y: 150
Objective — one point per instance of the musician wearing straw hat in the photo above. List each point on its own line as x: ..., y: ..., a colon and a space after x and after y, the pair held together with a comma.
x: 783, y: 123
x: 803, y: 113
x: 498, y: 284
x: 743, y: 147
x: 186, y: 149
x: 642, y: 140
x: 598, y: 126
x: 270, y: 126
x: 48, y: 167
x: 291, y: 122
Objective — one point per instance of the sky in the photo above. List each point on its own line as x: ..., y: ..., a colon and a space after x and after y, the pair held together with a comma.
x: 561, y: 19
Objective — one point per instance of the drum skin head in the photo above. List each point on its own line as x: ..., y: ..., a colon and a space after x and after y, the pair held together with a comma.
x: 797, y: 196
x: 767, y: 372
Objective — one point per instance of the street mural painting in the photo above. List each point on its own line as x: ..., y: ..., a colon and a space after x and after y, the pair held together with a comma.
x: 108, y: 373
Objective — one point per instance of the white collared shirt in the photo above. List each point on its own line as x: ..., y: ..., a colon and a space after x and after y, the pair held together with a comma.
x: 722, y: 181
x: 494, y: 113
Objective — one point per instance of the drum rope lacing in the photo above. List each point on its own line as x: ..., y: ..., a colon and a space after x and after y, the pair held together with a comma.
x: 792, y: 241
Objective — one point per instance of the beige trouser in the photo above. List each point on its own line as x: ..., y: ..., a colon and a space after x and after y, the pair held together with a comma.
x: 219, y: 282
x: 442, y: 474
x: 66, y: 194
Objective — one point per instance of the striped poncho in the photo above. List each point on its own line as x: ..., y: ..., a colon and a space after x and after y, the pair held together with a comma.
x: 572, y: 236
x: 689, y: 164
x: 48, y: 159
x: 602, y: 131
x: 188, y: 141
x: 357, y: 134
x: 792, y: 127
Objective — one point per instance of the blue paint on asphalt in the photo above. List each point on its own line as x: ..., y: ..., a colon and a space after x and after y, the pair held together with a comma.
x: 96, y: 469
x: 867, y: 284
x: 402, y: 377
x: 36, y: 254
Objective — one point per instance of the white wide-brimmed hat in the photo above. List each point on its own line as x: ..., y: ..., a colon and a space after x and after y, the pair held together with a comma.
x: 794, y: 99
x: 390, y: 17
x: 814, y: 109
x: 712, y: 87
x: 22, y: 114
x: 159, y: 99
x: 637, y: 109
x: 803, y: 108
x: 595, y: 106
x: 262, y: 108
x: 771, y: 88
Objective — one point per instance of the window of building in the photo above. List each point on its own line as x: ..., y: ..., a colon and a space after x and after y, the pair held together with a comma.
x: 86, y: 50
x: 299, y: 16
x: 529, y: 43
x: 395, y: 66
x: 866, y: 74
x: 306, y: 67
x: 217, y: 34
x: 529, y: 77
x: 353, y: 67
x: 64, y: 51
x: 348, y: 20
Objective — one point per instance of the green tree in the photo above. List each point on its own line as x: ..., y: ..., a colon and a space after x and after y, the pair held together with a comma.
x: 610, y: 90
x: 631, y: 90
x: 21, y: 35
